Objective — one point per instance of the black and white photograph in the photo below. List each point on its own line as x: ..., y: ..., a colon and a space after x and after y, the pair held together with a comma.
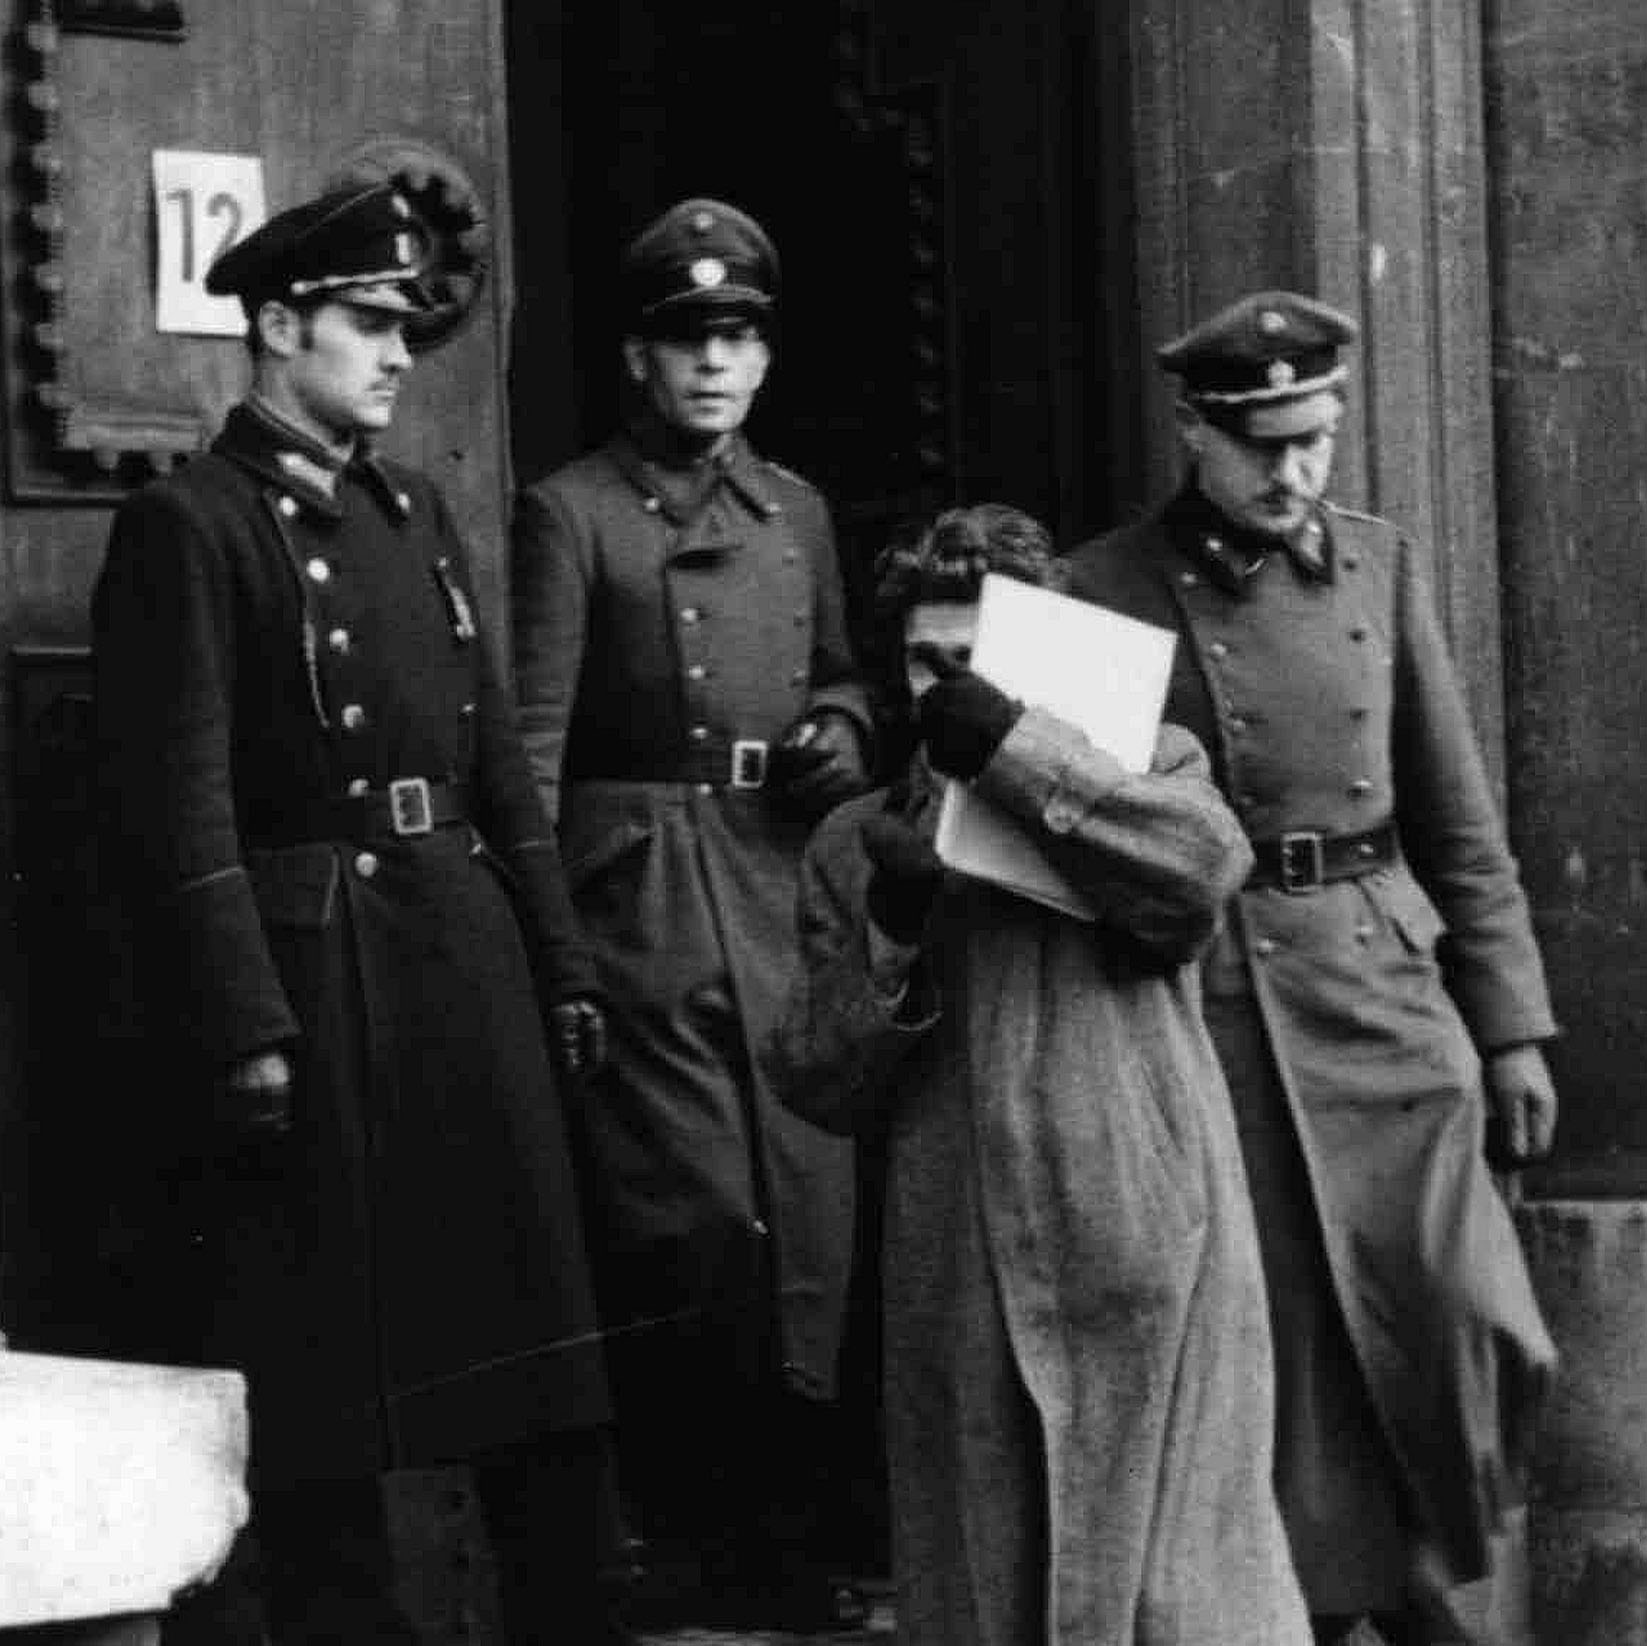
x: 815, y: 823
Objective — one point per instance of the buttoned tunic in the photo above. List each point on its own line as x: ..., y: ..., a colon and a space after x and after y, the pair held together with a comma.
x: 670, y: 621
x: 1351, y: 1016
x: 1078, y: 1386
x: 404, y: 1276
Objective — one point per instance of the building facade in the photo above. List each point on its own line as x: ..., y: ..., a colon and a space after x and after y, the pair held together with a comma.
x: 989, y: 214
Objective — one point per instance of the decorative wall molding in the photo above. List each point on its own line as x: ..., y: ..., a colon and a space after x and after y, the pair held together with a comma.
x: 911, y: 121
x: 133, y: 19
x: 62, y: 448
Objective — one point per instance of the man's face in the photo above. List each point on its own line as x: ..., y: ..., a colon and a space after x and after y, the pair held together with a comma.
x: 950, y: 625
x: 1269, y: 477
x: 341, y: 367
x: 702, y: 380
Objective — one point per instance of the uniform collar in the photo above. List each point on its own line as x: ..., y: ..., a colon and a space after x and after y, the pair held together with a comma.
x: 680, y: 485
x: 259, y: 439
x: 1232, y: 556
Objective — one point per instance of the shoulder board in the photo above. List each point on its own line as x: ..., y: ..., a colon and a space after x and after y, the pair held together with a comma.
x: 788, y: 474
x: 1358, y: 514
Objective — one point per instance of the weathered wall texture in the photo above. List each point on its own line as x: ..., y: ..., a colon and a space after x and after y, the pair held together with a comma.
x: 1567, y: 113
x: 1567, y: 144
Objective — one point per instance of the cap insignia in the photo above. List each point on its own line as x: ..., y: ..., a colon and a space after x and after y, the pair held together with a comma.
x: 1272, y: 322
x: 1280, y: 374
x: 702, y: 222
x: 403, y: 249
x: 707, y: 273
x: 397, y: 204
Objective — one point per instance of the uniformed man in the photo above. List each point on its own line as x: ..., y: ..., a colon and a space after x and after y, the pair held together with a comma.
x: 691, y: 708
x: 357, y: 927
x: 1377, y: 995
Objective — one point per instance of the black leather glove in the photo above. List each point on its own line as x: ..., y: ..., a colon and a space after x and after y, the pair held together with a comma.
x: 961, y: 717
x: 905, y: 879
x: 819, y: 763
x: 577, y: 1038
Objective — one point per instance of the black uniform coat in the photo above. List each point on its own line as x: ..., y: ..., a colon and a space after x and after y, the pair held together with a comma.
x: 663, y: 614
x: 404, y: 1276
x: 1330, y: 704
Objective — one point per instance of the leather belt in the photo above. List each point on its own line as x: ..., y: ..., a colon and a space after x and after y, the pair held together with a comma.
x: 1303, y: 860
x: 408, y: 808
x: 737, y: 763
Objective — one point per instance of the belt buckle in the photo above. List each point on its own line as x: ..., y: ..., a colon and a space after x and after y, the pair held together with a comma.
x: 748, y: 763
x: 410, y: 812
x: 1303, y: 861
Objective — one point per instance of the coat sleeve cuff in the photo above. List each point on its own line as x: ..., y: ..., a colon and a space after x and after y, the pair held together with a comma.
x: 1048, y: 771
x: 562, y: 964
x: 848, y: 699
x: 229, y: 999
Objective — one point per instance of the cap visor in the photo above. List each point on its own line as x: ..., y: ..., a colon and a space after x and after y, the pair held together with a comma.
x: 388, y: 297
x: 1299, y: 417
x: 714, y: 297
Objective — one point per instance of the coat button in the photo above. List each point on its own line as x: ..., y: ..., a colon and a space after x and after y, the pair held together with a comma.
x: 1060, y: 816
x: 800, y: 620
x: 1218, y: 649
x: 366, y: 865
x: 403, y: 502
x: 1265, y: 947
x: 1215, y: 545
x: 1360, y: 788
x: 467, y: 709
x: 699, y: 734
x: 354, y: 717
x: 1349, y: 561
x: 651, y: 505
x: 706, y: 788
x: 287, y: 506
x: 1238, y: 725
x: 318, y: 570
x: 690, y: 614
x: 800, y: 677
x: 1363, y: 934
x: 1358, y: 714
x: 1358, y: 632
x: 338, y: 640
x: 697, y: 672
x: 1188, y: 579
x: 359, y: 786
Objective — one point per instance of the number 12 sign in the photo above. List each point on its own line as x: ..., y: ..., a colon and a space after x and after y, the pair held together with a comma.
x: 203, y: 204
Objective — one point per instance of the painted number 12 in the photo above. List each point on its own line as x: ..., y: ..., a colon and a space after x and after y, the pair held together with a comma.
x: 223, y: 205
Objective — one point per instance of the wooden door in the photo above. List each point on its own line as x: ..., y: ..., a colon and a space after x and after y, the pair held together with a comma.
x: 936, y: 180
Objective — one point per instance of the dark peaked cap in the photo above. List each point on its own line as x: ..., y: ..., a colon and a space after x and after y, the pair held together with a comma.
x: 362, y: 245
x: 700, y: 254
x: 1268, y: 346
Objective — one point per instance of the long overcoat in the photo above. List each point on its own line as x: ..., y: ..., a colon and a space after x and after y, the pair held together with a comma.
x: 669, y: 622
x: 404, y: 1276
x: 1078, y: 1386
x: 1325, y: 692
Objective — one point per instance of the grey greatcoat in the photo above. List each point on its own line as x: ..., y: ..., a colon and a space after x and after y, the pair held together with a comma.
x: 1078, y: 1388
x: 404, y: 1275
x: 670, y: 624
x: 1329, y: 702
